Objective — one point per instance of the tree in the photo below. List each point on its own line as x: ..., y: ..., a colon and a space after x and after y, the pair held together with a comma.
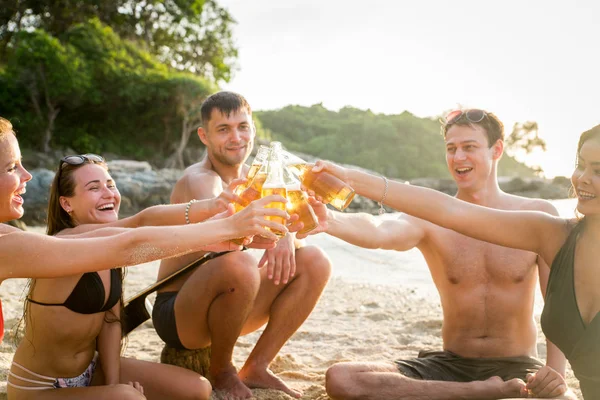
x: 53, y: 74
x: 525, y: 136
x: 187, y: 93
x: 524, y: 140
x: 400, y: 146
x: 52, y: 16
x: 189, y: 35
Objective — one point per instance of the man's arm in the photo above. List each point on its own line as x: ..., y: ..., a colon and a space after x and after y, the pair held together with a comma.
x: 362, y: 229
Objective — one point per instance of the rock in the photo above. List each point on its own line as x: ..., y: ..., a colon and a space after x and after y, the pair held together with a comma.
x: 36, y: 197
x: 141, y: 186
x: 129, y: 166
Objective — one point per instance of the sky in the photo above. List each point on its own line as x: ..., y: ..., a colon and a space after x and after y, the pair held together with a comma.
x: 524, y: 60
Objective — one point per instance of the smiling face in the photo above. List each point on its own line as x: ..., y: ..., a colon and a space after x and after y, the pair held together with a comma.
x: 95, y: 199
x: 13, y: 178
x: 469, y: 158
x: 228, y: 138
x: 586, y: 177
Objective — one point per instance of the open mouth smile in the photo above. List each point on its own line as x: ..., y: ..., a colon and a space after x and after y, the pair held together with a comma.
x: 106, y: 207
x: 583, y: 195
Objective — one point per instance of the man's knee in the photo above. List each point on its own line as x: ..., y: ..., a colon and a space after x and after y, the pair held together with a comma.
x: 313, y: 261
x: 337, y: 381
x: 239, y: 270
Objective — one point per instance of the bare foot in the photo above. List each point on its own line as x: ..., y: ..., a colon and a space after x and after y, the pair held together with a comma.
x: 497, y: 388
x: 228, y: 386
x: 265, y: 379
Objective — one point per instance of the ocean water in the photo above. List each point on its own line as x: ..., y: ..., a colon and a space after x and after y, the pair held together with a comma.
x: 388, y: 267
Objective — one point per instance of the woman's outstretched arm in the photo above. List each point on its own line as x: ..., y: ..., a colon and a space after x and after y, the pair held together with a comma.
x: 170, y: 214
x: 31, y: 255
x: 535, y: 231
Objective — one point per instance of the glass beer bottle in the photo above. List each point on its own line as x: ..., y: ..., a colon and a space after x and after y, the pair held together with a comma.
x: 273, y: 183
x: 298, y: 202
x: 328, y: 187
x: 251, y: 190
x: 259, y: 160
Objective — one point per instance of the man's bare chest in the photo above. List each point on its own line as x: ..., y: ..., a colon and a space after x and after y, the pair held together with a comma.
x: 458, y: 258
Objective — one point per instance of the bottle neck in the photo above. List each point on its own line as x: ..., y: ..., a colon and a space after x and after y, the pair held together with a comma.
x: 274, y: 174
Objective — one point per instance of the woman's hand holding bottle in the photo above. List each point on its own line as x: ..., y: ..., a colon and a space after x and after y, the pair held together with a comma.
x: 252, y: 220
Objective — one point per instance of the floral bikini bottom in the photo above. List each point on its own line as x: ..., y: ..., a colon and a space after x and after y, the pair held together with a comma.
x: 83, y: 380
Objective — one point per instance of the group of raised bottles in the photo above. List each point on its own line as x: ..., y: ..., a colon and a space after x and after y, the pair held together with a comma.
x: 276, y: 171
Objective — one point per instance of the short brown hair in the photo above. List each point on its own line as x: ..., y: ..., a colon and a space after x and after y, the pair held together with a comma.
x: 494, y: 128
x: 226, y: 102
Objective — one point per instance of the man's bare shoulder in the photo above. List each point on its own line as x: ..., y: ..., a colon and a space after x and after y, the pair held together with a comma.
x: 198, y: 171
x: 514, y: 202
x: 197, y: 182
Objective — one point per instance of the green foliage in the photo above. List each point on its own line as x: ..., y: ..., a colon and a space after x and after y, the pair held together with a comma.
x: 189, y: 35
x: 262, y: 133
x: 52, y: 74
x: 112, y: 96
x: 86, y: 143
x: 401, y: 146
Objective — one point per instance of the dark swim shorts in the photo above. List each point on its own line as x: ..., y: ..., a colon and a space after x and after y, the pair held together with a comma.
x: 450, y: 367
x: 163, y: 318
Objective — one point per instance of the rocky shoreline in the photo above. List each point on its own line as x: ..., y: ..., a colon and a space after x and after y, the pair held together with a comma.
x: 142, y: 186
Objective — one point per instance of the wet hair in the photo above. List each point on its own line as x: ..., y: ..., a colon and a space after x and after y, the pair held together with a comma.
x: 493, y: 127
x: 5, y: 127
x: 226, y: 102
x: 63, y: 184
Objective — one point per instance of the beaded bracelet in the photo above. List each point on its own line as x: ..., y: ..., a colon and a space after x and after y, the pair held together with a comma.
x: 381, y: 209
x: 187, y: 210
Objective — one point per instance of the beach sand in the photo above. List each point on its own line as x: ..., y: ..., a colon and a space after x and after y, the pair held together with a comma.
x: 379, y: 306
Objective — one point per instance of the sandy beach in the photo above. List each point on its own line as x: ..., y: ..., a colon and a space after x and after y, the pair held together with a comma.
x: 379, y: 305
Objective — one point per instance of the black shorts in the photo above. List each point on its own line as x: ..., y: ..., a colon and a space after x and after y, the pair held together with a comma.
x: 450, y: 367
x: 163, y: 318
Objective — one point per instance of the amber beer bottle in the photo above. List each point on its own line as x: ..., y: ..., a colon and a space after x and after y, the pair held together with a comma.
x: 274, y: 183
x: 331, y: 189
x: 259, y: 160
x: 251, y: 190
x: 298, y: 202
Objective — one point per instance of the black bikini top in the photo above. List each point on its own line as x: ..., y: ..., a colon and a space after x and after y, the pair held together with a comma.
x: 88, y: 295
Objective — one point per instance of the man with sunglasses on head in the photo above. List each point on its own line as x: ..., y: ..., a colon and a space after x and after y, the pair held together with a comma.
x: 234, y: 294
x: 487, y: 291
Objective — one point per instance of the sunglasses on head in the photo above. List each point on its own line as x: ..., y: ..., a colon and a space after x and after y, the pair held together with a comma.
x: 473, y: 115
x: 78, y: 160
x: 81, y: 159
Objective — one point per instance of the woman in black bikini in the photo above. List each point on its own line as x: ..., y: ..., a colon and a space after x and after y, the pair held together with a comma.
x: 32, y: 255
x: 571, y: 246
